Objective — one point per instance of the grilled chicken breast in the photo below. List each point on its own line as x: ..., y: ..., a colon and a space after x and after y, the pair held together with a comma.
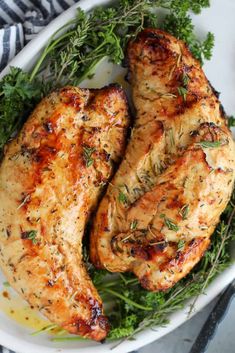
x: 51, y: 178
x: 177, y: 175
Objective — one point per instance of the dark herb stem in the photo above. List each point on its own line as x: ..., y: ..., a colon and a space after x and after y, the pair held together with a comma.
x: 127, y: 300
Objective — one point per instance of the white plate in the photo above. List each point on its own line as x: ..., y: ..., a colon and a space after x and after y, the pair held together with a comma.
x: 219, y: 19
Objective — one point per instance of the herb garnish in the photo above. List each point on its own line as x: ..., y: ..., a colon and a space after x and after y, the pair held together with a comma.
x: 72, y: 56
x: 6, y: 284
x: 184, y: 211
x: 209, y: 144
x: 134, y: 224
x: 30, y: 235
x: 169, y: 223
x: 87, y: 153
x: 47, y: 328
x: 181, y: 245
x: 122, y: 197
x: 231, y: 121
x: 183, y: 90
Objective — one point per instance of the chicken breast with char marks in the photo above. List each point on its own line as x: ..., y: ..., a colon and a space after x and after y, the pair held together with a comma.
x: 51, y: 178
x: 177, y: 175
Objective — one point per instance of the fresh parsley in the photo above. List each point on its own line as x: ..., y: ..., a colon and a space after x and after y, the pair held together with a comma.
x: 73, y: 55
x: 6, y: 284
x: 178, y: 22
x: 127, y: 319
x: 18, y: 96
x: 231, y: 121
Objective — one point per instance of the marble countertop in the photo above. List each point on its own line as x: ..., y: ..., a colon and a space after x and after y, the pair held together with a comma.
x: 182, y: 339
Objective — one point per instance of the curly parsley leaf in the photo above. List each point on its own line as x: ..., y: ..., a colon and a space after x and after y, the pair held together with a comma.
x: 18, y: 96
x: 231, y: 121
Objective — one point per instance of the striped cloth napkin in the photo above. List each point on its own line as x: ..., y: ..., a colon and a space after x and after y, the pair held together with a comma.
x: 20, y: 21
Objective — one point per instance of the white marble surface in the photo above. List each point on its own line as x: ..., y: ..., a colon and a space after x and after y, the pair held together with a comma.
x: 224, y: 339
x: 181, y: 339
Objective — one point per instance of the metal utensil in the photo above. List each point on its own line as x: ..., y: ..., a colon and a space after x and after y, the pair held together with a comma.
x: 216, y: 315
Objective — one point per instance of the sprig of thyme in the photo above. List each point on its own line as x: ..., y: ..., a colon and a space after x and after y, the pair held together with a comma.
x: 231, y: 121
x: 74, y: 51
x: 72, y: 56
x: 225, y: 232
x: 18, y: 96
x: 103, y: 33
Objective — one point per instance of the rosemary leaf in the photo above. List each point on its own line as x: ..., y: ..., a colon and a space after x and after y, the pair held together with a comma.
x: 134, y: 224
x: 182, y: 91
x: 122, y: 197
x: 181, y: 245
x: 209, y: 144
x: 30, y: 235
x: 169, y: 223
x: 184, y: 211
x: 87, y: 153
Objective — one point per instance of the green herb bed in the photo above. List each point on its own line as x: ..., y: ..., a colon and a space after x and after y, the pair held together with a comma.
x: 73, y: 57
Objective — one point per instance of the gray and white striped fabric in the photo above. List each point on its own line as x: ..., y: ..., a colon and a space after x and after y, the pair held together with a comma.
x: 21, y: 20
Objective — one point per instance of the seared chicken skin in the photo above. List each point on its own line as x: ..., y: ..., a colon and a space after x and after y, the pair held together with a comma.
x: 177, y: 175
x: 51, y: 178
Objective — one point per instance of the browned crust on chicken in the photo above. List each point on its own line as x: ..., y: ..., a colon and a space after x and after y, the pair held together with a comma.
x: 50, y: 181
x: 177, y: 175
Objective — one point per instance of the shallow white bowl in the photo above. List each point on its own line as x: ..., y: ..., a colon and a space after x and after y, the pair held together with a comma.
x: 221, y: 72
